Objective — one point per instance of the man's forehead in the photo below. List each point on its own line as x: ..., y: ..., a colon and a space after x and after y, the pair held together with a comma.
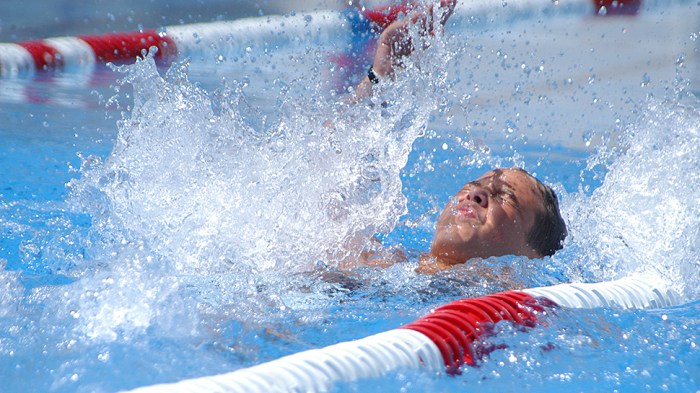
x: 503, y: 175
x: 492, y: 174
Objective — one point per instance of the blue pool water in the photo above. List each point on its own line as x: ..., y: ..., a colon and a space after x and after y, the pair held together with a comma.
x: 164, y: 224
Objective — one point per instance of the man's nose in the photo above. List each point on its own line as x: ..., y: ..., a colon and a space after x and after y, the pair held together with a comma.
x: 479, y: 196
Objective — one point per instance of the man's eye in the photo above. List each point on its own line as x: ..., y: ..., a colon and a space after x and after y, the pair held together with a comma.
x: 504, y: 196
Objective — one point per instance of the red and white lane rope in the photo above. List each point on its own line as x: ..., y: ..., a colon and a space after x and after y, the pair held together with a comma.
x: 83, y: 52
x: 441, y: 341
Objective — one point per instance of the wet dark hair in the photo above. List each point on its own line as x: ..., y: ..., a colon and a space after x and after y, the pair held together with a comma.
x: 549, y: 230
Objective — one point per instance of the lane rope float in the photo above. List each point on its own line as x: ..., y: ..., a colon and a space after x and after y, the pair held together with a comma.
x: 444, y: 340
x: 82, y: 53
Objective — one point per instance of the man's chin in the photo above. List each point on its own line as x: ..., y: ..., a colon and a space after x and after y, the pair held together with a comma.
x: 449, y: 254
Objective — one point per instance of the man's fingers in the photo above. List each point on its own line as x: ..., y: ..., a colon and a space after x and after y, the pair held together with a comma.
x: 448, y: 3
x: 449, y: 8
x: 395, y: 42
x: 426, y: 16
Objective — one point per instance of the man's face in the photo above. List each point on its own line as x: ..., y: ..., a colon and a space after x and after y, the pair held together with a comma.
x: 490, y: 216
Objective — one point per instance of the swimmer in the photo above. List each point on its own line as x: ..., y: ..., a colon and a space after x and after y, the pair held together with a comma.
x: 504, y: 212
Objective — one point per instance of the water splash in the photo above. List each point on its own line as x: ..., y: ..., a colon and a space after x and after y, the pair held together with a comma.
x: 199, y: 189
x: 645, y: 216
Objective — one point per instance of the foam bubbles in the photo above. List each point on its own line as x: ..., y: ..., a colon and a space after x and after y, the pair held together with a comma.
x: 10, y: 291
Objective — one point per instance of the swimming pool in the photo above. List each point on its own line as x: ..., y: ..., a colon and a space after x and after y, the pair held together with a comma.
x: 183, y: 253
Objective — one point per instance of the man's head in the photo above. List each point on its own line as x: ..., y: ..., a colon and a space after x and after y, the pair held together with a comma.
x: 504, y: 212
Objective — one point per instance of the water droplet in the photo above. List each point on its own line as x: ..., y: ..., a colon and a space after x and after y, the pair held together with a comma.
x: 510, y: 126
x: 518, y: 88
x: 680, y: 60
x: 103, y: 357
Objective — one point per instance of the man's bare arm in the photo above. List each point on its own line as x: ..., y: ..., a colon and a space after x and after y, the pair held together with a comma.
x: 395, y: 43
